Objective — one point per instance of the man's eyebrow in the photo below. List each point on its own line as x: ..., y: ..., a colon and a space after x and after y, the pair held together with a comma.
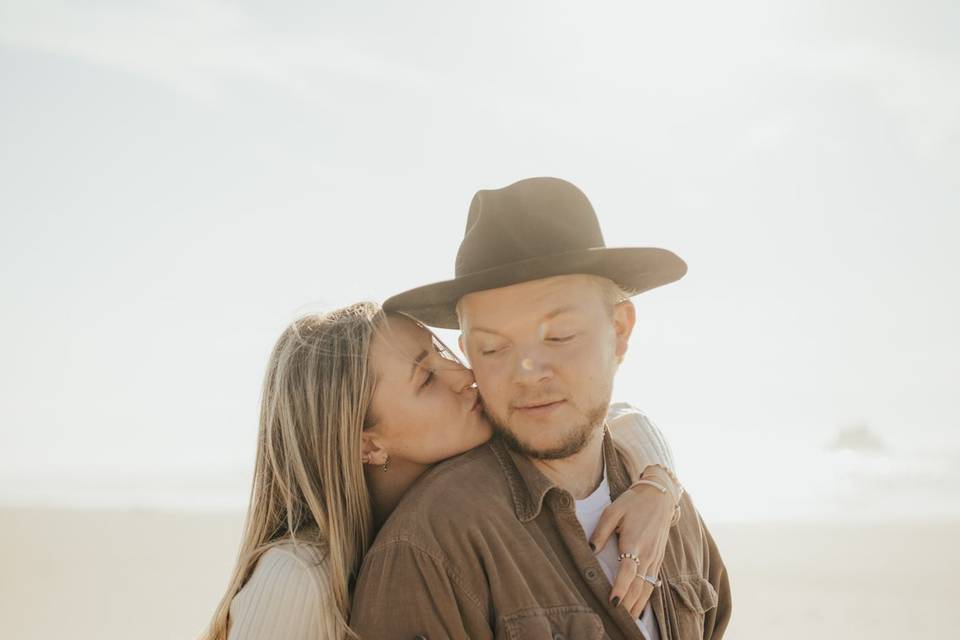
x: 560, y: 310
x: 416, y: 362
x: 550, y: 316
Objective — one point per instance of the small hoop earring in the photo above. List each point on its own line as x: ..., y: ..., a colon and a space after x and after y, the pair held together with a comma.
x: 386, y: 463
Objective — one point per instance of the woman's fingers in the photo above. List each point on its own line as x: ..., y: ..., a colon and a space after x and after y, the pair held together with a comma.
x: 643, y: 546
x: 625, y: 577
x: 646, y: 589
x: 659, y: 551
x: 640, y: 522
x: 637, y: 596
x: 610, y: 519
x: 662, y: 547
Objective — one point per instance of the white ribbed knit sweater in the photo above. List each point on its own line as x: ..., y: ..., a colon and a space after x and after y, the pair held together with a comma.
x: 287, y: 596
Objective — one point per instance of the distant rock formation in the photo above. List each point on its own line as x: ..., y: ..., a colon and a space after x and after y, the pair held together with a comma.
x: 858, y: 437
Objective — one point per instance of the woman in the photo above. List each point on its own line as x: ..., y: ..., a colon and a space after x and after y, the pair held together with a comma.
x: 356, y: 406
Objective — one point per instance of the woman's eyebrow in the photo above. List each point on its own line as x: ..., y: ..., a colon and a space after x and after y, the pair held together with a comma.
x: 482, y: 330
x: 416, y: 362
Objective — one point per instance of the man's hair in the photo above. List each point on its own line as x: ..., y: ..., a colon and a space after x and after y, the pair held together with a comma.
x: 611, y: 293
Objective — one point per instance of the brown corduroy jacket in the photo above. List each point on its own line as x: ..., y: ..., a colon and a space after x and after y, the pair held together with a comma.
x: 485, y: 546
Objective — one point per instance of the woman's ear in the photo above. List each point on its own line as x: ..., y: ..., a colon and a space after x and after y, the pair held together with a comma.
x: 370, y: 450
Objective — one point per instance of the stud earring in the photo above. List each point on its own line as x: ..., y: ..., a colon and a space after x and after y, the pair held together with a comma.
x: 386, y: 463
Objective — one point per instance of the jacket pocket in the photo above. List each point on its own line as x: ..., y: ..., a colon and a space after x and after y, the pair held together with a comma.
x: 574, y: 622
x: 694, y: 596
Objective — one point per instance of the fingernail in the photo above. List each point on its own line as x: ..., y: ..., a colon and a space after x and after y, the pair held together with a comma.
x: 616, y: 601
x: 593, y: 547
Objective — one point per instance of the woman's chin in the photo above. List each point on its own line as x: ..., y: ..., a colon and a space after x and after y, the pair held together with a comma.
x: 478, y: 436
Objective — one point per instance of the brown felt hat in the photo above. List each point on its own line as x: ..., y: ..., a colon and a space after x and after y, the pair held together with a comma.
x: 532, y: 229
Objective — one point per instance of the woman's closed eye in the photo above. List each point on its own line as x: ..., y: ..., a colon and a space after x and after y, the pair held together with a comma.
x: 557, y: 339
x: 427, y: 379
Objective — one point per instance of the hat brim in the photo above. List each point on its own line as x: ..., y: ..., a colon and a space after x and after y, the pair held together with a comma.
x: 635, y: 269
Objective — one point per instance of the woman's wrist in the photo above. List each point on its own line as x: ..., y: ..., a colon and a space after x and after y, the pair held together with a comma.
x: 663, y: 476
x: 663, y: 479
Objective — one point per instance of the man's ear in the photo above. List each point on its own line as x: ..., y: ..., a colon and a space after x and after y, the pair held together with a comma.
x: 371, y: 451
x: 624, y: 317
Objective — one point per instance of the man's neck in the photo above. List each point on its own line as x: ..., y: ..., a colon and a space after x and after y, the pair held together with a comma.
x: 581, y: 473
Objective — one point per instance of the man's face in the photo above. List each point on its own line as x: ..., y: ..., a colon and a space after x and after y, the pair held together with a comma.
x: 544, y: 354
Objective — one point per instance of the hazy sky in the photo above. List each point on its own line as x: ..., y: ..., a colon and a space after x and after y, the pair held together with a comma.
x: 180, y: 179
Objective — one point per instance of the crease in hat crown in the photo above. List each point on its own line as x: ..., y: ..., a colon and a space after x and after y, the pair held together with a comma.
x: 529, y: 218
x: 531, y: 229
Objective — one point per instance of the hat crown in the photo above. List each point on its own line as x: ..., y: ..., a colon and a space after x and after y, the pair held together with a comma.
x: 536, y: 228
x: 531, y: 218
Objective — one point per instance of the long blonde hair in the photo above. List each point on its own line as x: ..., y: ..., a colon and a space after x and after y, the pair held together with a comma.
x: 308, y: 482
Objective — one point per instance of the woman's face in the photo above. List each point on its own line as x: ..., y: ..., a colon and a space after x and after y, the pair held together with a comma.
x: 425, y: 405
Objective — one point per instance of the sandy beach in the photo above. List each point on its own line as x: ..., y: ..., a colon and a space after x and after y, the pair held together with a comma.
x: 158, y: 575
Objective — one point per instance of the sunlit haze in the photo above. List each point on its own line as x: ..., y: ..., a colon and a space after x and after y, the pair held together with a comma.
x: 181, y: 179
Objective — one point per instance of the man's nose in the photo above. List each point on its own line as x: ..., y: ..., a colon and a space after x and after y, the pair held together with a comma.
x: 532, y: 365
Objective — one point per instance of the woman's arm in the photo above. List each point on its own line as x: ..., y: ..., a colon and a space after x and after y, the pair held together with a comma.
x: 645, y: 451
x: 287, y: 596
x: 638, y: 439
x: 641, y: 516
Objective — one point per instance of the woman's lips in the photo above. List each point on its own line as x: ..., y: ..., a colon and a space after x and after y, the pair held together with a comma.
x: 476, y: 405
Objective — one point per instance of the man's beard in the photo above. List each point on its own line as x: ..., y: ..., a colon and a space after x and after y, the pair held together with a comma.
x: 573, y: 442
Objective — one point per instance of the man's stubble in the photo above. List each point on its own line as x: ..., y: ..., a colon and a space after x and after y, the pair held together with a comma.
x: 575, y: 439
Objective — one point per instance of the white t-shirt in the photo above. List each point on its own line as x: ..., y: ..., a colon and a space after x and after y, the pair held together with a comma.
x: 589, y: 511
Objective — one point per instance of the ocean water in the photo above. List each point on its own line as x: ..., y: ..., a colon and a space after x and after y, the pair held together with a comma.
x: 733, y: 477
x: 850, y: 476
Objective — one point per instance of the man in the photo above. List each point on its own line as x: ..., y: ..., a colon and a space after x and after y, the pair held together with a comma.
x: 493, y: 543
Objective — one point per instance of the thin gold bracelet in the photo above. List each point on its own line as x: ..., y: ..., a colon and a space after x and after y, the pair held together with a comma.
x: 659, y: 486
x: 673, y: 479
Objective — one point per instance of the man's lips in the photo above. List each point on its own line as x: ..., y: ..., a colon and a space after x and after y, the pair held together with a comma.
x: 536, y: 406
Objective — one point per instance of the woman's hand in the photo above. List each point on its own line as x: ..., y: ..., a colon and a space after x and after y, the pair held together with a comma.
x: 641, y: 517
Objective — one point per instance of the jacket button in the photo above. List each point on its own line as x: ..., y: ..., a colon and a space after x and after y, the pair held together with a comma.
x: 590, y: 574
x: 564, y: 501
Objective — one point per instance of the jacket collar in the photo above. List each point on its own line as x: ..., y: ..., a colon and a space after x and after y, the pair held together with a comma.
x: 529, y: 486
